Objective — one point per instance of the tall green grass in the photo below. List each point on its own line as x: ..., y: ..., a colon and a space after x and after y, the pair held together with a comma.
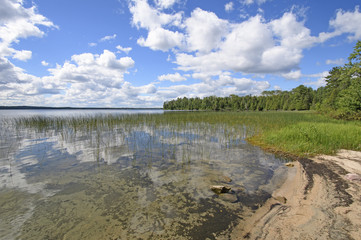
x: 318, y: 135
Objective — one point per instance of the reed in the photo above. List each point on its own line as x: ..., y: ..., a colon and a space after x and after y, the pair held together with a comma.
x: 298, y: 133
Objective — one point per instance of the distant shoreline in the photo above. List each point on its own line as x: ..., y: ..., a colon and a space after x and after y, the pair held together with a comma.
x: 70, y: 108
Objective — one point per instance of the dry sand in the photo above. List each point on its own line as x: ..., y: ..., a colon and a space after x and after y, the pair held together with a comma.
x: 319, y: 200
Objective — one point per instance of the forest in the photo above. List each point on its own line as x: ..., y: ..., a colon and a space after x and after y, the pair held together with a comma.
x: 339, y: 98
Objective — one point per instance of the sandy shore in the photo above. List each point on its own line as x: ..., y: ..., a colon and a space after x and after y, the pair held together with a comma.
x: 319, y: 200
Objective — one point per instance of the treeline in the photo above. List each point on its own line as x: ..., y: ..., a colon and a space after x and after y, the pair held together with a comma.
x: 300, y: 98
x: 341, y: 97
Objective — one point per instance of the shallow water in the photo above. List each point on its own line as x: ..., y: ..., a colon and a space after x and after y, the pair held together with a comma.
x: 135, y: 177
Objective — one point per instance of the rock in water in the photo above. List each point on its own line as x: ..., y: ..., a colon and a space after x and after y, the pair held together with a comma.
x: 232, y: 198
x: 226, y: 179
x: 220, y: 189
x: 289, y: 164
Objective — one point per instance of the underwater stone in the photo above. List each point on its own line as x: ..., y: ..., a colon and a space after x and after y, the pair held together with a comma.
x: 232, y: 198
x: 220, y: 189
x: 226, y: 179
x: 289, y: 164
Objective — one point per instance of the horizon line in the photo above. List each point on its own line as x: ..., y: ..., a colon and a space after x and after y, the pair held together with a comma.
x: 99, y: 108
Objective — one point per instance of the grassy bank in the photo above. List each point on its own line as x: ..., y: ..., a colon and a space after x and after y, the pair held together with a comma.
x: 295, y: 133
x: 309, y: 135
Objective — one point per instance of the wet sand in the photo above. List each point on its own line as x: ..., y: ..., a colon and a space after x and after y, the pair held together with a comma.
x: 318, y: 200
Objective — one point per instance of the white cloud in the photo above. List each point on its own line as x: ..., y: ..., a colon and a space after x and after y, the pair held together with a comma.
x: 339, y: 61
x: 249, y: 2
x: 92, y: 44
x: 320, y: 81
x: 204, y: 30
x: 144, y: 16
x: 107, y: 38
x: 22, y: 55
x: 23, y: 25
x: 223, y: 86
x: 293, y: 75
x: 19, y: 22
x: 85, y: 80
x: 161, y: 39
x: 348, y: 22
x: 176, y: 77
x: 124, y: 49
x: 242, y: 50
x: 213, y: 45
x: 8, y: 72
x: 44, y: 63
x: 217, y: 45
x: 165, y: 3
x: 292, y: 33
x: 229, y: 7
x: 9, y: 9
x: 211, y: 49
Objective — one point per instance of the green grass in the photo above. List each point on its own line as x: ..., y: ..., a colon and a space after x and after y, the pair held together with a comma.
x: 297, y: 133
x: 311, y: 136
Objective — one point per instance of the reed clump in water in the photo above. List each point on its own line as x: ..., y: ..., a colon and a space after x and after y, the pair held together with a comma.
x: 297, y: 133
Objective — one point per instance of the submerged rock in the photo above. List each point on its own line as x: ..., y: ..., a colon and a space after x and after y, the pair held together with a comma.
x: 226, y: 179
x: 220, y: 189
x: 289, y: 164
x: 229, y: 197
x: 281, y: 199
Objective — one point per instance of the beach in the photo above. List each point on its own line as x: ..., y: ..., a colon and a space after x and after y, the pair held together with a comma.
x: 320, y: 199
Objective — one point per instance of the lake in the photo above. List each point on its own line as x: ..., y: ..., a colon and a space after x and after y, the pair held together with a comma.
x: 129, y: 174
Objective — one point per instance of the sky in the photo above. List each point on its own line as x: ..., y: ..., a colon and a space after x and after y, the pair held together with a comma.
x: 140, y: 53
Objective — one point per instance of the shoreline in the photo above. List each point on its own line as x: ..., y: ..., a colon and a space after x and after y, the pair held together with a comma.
x: 318, y: 200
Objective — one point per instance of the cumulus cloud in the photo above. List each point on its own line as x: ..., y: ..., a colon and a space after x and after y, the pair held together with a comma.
x: 348, y: 22
x: 86, y: 80
x: 176, y: 77
x: 161, y: 39
x: 209, y: 49
x: 204, y: 30
x: 292, y: 33
x: 44, y: 63
x: 8, y: 72
x: 144, y: 16
x: 16, y: 23
x: 104, y: 69
x: 293, y: 75
x: 19, y: 22
x: 207, y: 43
x: 223, y: 86
x: 22, y: 55
x: 212, y: 49
x: 11, y: 10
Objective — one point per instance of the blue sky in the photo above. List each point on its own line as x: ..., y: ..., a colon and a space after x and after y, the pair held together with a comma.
x: 139, y: 53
